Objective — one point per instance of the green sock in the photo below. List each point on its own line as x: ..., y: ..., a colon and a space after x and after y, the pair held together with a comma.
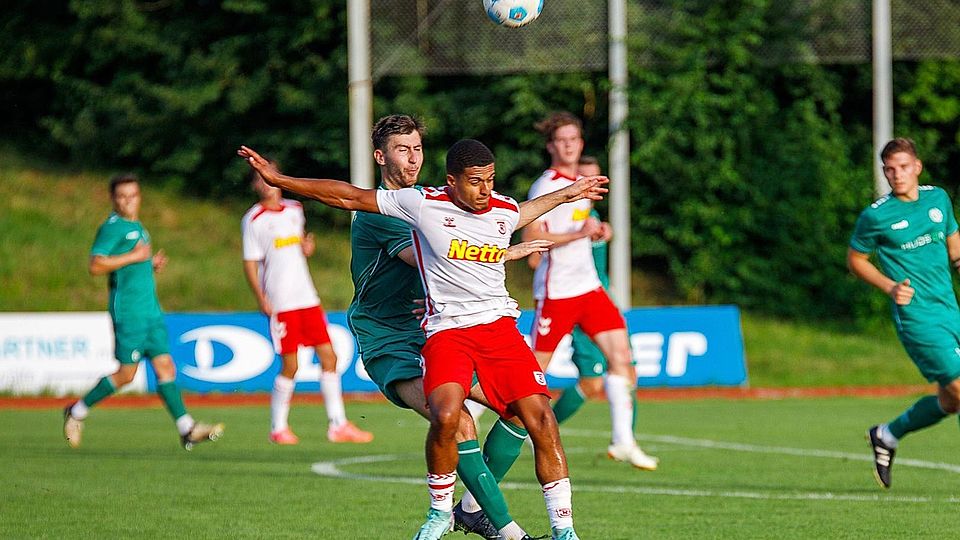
x: 479, y: 480
x: 568, y: 403
x: 171, y: 397
x: 925, y: 412
x: 634, y: 422
x: 502, y: 447
x: 103, y: 389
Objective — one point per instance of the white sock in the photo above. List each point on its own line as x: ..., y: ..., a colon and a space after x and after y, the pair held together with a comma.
x: 475, y: 409
x: 185, y: 424
x: 441, y: 487
x: 469, y: 502
x: 280, y: 402
x: 883, y: 432
x: 618, y: 390
x: 558, y: 498
x: 79, y: 410
x: 512, y: 531
x: 332, y: 398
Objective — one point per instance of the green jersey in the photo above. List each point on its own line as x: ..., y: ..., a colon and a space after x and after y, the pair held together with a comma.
x: 910, y: 241
x: 600, y: 248
x: 133, y: 292
x: 385, y: 287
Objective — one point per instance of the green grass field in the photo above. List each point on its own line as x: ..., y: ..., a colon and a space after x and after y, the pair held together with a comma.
x: 793, y: 468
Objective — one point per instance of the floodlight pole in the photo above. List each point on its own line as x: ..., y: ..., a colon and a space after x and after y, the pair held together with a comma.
x: 361, y: 92
x: 882, y: 89
x: 619, y: 157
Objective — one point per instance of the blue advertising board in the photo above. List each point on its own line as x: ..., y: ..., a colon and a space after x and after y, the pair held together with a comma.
x: 672, y: 347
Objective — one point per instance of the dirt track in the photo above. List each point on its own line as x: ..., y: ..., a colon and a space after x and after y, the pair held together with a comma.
x: 655, y: 394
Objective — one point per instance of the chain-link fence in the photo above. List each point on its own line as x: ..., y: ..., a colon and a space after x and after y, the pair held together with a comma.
x: 444, y: 37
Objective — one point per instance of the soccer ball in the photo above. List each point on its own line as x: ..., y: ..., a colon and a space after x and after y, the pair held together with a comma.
x: 513, y: 13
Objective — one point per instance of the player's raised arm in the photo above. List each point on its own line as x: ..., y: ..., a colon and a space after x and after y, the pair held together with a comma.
x: 334, y: 193
x: 588, y: 187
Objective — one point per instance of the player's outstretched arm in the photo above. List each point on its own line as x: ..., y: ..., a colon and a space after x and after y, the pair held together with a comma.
x: 334, y: 193
x: 588, y: 187
x: 524, y: 249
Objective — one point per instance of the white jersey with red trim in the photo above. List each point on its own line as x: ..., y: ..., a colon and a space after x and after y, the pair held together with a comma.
x: 459, y: 255
x: 565, y: 271
x: 274, y: 239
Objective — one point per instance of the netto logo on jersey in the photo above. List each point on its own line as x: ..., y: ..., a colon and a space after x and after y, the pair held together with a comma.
x: 283, y: 242
x: 462, y: 250
x: 581, y: 215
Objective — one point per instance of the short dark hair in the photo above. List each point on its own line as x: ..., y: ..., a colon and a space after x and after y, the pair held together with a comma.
x: 588, y: 160
x: 467, y: 153
x: 549, y: 125
x: 394, y: 124
x: 900, y: 144
x: 122, y: 178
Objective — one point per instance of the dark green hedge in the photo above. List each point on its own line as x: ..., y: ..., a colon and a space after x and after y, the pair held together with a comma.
x: 747, y: 174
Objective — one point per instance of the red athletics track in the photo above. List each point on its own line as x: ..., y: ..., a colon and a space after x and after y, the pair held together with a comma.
x: 651, y: 394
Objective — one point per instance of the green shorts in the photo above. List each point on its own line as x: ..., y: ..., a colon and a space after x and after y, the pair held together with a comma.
x: 393, y: 367
x: 587, y: 356
x: 938, y: 359
x: 136, y: 340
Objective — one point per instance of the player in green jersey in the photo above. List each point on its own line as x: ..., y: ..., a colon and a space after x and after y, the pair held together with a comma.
x: 123, y: 251
x: 387, y: 294
x: 913, y: 232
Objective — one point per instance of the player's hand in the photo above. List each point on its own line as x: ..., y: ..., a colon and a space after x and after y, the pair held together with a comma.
x: 591, y: 228
x: 140, y: 252
x: 418, y: 312
x: 309, y: 244
x: 159, y: 261
x: 587, y: 187
x: 606, y: 233
x: 265, y: 307
x: 902, y: 293
x: 523, y: 249
x: 268, y: 171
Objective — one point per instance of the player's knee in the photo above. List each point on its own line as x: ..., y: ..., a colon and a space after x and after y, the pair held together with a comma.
x: 592, y: 388
x: 445, y: 418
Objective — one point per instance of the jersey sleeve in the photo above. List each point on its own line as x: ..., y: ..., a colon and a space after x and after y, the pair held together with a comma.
x: 108, y: 236
x: 951, y: 218
x: 402, y: 204
x: 393, y: 234
x: 864, y: 237
x: 252, y: 248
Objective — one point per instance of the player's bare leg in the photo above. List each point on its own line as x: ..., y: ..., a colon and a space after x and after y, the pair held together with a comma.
x: 445, y: 404
x: 551, y: 461
x: 620, y: 383
x: 340, y: 429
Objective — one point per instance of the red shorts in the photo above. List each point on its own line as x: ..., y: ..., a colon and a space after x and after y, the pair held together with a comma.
x: 593, y: 312
x: 503, y: 361
x: 291, y: 329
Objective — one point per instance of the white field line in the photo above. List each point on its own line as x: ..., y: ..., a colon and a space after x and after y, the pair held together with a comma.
x: 743, y: 447
x: 332, y: 469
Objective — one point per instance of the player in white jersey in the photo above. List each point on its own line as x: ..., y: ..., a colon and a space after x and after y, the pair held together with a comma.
x: 461, y: 234
x: 275, y: 252
x: 568, y: 290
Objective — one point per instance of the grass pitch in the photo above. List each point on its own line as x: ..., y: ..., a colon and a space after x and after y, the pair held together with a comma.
x: 796, y: 468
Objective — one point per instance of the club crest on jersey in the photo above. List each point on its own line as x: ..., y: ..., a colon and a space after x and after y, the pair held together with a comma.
x: 448, y: 222
x: 463, y: 250
x: 502, y: 227
x: 936, y: 215
x: 540, y: 378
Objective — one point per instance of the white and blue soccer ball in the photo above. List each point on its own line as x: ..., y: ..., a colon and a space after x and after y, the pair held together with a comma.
x: 513, y: 13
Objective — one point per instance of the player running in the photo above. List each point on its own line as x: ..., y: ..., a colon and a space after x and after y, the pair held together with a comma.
x: 461, y: 233
x: 275, y: 251
x: 568, y: 290
x: 913, y: 231
x: 123, y: 251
